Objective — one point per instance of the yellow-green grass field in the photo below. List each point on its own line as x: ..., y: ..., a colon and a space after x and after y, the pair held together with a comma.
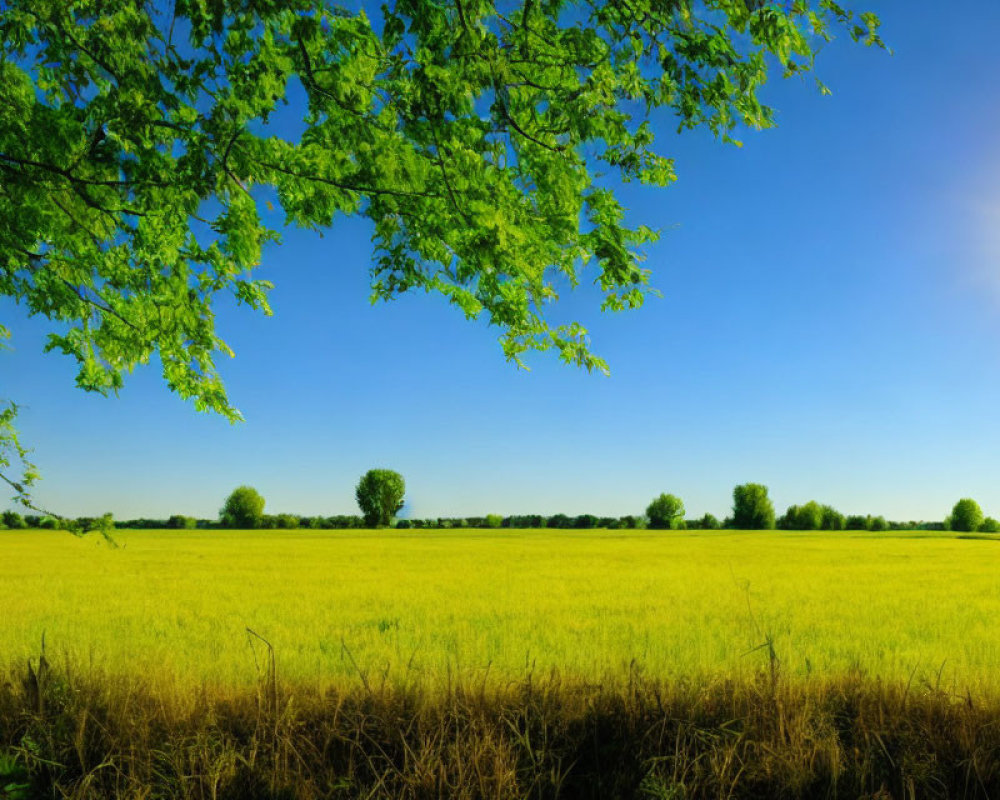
x: 420, y: 607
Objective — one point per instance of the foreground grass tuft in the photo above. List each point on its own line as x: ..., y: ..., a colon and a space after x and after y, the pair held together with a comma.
x: 763, y: 737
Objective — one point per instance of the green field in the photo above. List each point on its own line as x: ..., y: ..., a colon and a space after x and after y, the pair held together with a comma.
x: 415, y: 608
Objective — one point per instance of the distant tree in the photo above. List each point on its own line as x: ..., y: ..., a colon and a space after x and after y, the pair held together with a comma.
x: 856, y: 522
x: 832, y: 520
x: 807, y: 517
x: 380, y: 496
x: 710, y: 522
x: 666, y: 512
x: 585, y: 522
x: 402, y: 524
x: 181, y: 522
x: 32, y: 520
x: 48, y: 523
x: 878, y: 523
x: 965, y: 516
x: 288, y: 522
x: 494, y: 520
x: 244, y: 508
x: 559, y: 521
x: 989, y: 525
x: 628, y: 522
x: 13, y: 520
x: 752, y: 508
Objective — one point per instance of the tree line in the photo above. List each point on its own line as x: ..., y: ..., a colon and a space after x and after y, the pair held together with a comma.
x: 753, y: 510
x: 380, y: 497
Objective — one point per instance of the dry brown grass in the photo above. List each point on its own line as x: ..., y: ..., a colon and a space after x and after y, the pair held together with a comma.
x: 767, y: 737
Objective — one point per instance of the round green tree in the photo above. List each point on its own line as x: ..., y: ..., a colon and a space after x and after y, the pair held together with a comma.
x: 966, y: 515
x: 380, y: 496
x: 244, y: 508
x: 752, y: 508
x: 665, y: 512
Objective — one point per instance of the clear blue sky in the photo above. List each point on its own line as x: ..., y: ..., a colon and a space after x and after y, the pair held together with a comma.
x: 829, y: 326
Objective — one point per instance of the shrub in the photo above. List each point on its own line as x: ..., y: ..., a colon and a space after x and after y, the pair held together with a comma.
x: 181, y: 522
x: 48, y: 523
x: 666, y: 512
x: 709, y: 522
x: 807, y: 517
x: 990, y: 525
x: 344, y: 521
x: 832, y: 520
x: 524, y: 521
x: 628, y: 522
x: 380, y: 496
x: 244, y: 508
x: 752, y: 508
x: 13, y: 520
x: 402, y: 524
x: 287, y: 522
x: 856, y: 522
x: 494, y: 520
x: 877, y: 523
x: 965, y: 516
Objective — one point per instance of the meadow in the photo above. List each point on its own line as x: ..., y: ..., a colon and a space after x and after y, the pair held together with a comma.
x: 499, y: 664
x: 422, y: 608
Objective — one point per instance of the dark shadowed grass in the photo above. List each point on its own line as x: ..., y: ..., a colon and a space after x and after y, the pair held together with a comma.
x: 763, y: 737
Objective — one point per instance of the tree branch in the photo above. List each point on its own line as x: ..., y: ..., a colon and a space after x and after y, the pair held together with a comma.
x: 345, y: 186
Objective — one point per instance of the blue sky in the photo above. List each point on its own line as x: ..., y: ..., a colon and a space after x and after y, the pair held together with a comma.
x: 829, y: 326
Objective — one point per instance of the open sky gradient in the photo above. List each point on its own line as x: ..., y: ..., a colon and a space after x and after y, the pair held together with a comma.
x: 829, y: 326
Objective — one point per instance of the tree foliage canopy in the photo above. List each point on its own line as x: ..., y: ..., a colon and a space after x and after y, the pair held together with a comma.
x: 965, y: 516
x: 807, y: 517
x: 752, y: 508
x: 484, y: 140
x: 666, y: 512
x: 244, y: 508
x: 380, y: 496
